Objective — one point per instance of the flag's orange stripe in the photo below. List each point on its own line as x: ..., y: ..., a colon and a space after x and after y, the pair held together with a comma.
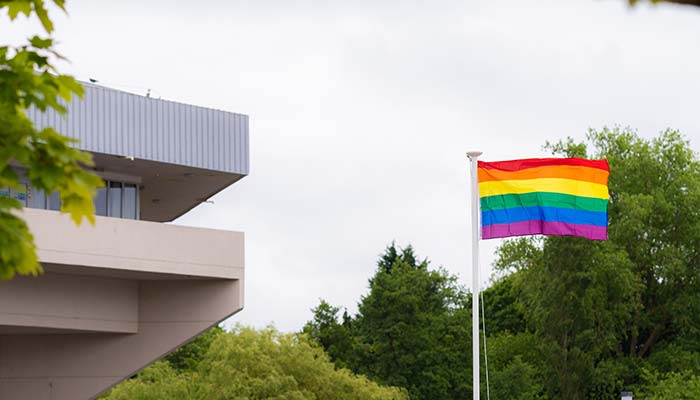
x: 587, y: 174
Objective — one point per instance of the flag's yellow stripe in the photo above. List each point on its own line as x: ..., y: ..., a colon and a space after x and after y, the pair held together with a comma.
x: 552, y: 185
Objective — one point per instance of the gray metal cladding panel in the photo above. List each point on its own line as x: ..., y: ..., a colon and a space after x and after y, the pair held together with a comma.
x: 115, y: 122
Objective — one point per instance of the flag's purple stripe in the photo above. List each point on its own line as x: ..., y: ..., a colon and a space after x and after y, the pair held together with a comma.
x: 536, y: 227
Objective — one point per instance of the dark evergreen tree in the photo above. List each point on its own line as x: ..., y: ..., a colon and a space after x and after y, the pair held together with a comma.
x: 412, y: 329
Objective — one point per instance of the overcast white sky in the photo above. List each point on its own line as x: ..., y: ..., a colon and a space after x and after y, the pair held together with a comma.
x: 361, y: 113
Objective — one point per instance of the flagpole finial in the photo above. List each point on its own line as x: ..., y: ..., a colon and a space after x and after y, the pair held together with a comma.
x: 474, y: 154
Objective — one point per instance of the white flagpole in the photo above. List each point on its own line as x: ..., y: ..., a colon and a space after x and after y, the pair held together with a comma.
x: 476, y: 235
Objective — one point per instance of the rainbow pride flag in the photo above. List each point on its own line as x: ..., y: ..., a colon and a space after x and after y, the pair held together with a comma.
x: 549, y: 196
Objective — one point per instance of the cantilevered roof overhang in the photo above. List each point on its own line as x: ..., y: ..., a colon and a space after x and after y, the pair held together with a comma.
x: 182, y: 154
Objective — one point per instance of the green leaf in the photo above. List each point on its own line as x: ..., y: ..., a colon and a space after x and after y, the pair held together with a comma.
x: 51, y: 163
x: 60, y: 4
x: 41, y: 43
x: 43, y: 15
x: 14, y: 8
x: 17, y: 249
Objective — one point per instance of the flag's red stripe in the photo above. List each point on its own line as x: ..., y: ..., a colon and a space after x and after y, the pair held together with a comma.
x: 517, y: 165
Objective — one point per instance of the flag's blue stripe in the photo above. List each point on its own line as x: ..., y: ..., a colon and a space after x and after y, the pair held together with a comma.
x: 548, y: 214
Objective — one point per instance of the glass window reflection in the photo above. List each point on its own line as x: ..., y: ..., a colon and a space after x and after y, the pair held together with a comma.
x: 37, y: 198
x: 55, y: 201
x: 130, y: 199
x: 115, y: 199
x: 20, y: 194
x: 101, y: 201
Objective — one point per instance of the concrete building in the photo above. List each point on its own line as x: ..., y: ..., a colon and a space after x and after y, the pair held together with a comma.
x: 118, y: 295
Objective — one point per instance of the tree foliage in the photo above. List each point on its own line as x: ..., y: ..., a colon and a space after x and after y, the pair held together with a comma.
x: 250, y: 364
x: 29, y: 79
x: 336, y: 337
x: 670, y: 386
x: 411, y: 330
x: 517, y: 369
x: 409, y: 325
x: 567, y: 318
x: 604, y: 311
x: 188, y: 357
x: 655, y: 219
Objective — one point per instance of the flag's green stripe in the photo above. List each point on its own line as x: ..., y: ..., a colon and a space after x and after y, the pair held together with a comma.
x: 543, y: 199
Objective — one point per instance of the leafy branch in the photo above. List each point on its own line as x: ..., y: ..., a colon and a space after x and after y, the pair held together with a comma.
x: 28, y: 79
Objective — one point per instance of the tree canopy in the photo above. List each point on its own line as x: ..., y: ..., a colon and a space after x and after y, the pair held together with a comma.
x: 28, y: 78
x: 411, y: 330
x: 602, y: 312
x: 250, y: 364
x: 567, y: 318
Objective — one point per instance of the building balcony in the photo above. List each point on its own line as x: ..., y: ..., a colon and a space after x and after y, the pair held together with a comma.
x: 114, y: 297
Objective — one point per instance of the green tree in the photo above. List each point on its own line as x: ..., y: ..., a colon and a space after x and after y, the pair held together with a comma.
x: 502, y: 311
x: 411, y: 324
x: 670, y: 386
x: 29, y: 79
x: 655, y: 218
x: 250, y: 364
x: 600, y: 309
x: 674, y: 356
x: 335, y: 337
x: 188, y: 357
x: 516, y: 381
x: 516, y: 366
x: 159, y: 381
x: 412, y: 329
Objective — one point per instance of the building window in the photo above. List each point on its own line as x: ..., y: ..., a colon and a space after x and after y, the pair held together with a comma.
x: 17, y: 194
x: 20, y: 194
x: 37, y: 198
x: 54, y: 201
x: 118, y: 199
x: 5, y: 192
x: 115, y: 199
x: 129, y: 201
x: 101, y: 202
